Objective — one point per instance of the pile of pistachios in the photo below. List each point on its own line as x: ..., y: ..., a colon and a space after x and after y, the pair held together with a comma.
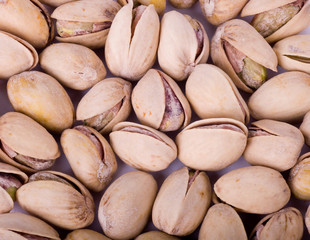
x: 133, y: 119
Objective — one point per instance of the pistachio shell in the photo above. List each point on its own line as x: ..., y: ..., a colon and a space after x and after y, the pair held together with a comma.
x: 307, y: 219
x: 182, y: 202
x: 246, y: 40
x: 159, y: 5
x: 85, y: 160
x: 12, y: 46
x: 126, y: 205
x: 32, y: 24
x: 41, y: 198
x: 211, y: 144
x: 73, y: 65
x: 212, y: 94
x: 150, y: 101
x: 305, y: 128
x: 103, y: 97
x: 280, y: 98
x: 55, y: 3
x: 130, y: 54
x: 85, y: 234
x: 142, y: 147
x: 257, y: 6
x: 253, y: 189
x: 222, y: 222
x: 41, y: 97
x: 273, y: 144
x: 179, y: 49
x: 294, y: 53
x: 155, y: 235
x: 182, y: 3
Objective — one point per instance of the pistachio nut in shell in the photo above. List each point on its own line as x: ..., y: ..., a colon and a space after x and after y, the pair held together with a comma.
x: 253, y: 189
x: 219, y: 11
x: 126, y: 205
x: 286, y: 224
x: 278, y: 19
x: 284, y: 97
x: 273, y: 144
x: 25, y: 144
x: 90, y: 156
x: 160, y: 5
x: 55, y: 3
x: 222, y: 222
x: 307, y: 219
x: 305, y: 128
x: 142, y: 147
x: 105, y: 104
x: 132, y: 42
x: 159, y: 102
x: 73, y: 65
x: 182, y: 3
x: 211, y: 144
x: 239, y: 50
x: 41, y: 97
x: 299, y: 179
x: 20, y: 226
x: 12, y: 46
x: 42, y: 194
x: 212, y: 94
x: 33, y: 25
x: 183, y: 45
x: 294, y: 53
x: 85, y: 22
x: 11, y: 178
x: 155, y: 235
x: 182, y: 202
x: 85, y: 234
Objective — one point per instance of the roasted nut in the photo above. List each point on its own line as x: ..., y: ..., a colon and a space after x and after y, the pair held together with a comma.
x: 126, y: 205
x: 182, y: 3
x: 159, y: 102
x: 159, y: 5
x: 280, y: 98
x: 142, y: 147
x: 105, y: 104
x: 239, y: 50
x: 182, y: 202
x: 85, y: 234
x: 273, y: 144
x: 305, y: 128
x: 212, y: 94
x: 73, y: 65
x: 55, y: 3
x: 155, y: 235
x: 268, y: 191
x: 57, y: 198
x: 222, y: 222
x: 307, y: 219
x: 211, y: 144
x: 183, y: 45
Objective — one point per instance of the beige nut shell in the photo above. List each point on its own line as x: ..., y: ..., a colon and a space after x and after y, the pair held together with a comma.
x: 307, y: 219
x: 305, y: 128
x: 153, y: 235
x: 55, y: 3
x: 85, y: 234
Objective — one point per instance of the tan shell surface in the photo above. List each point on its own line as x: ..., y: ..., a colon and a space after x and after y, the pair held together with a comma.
x: 126, y: 205
x: 280, y: 150
x: 73, y: 65
x: 140, y: 150
x: 95, y: 173
x: 257, y: 6
x: 148, y: 99
x: 178, y: 210
x: 213, y: 94
x: 20, y: 222
x: 41, y: 97
x: 305, y: 128
x: 12, y: 46
x: 6, y: 202
x: 55, y: 3
x: 178, y: 46
x: 307, y: 219
x: 294, y: 46
x: 222, y: 222
x: 85, y: 234
x: 211, y: 149
x: 153, y: 235
x: 253, y: 189
x: 7, y: 168
x: 284, y: 97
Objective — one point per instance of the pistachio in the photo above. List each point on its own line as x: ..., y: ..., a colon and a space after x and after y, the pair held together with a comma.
x: 154, y: 235
x: 307, y: 219
x: 85, y: 234
x: 305, y: 128
x: 182, y: 3
x: 55, y: 3
x: 159, y: 5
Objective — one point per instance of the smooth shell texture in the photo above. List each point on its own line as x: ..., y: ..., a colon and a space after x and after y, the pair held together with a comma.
x: 292, y: 53
x: 212, y: 94
x: 126, y: 205
x: 178, y: 208
x: 148, y: 99
x: 128, y: 54
x: 305, y: 128
x: 153, y: 235
x: 253, y: 189
x: 178, y: 46
x: 222, y: 222
x: 73, y: 65
x: 142, y: 151
x: 55, y: 3
x: 284, y: 97
x: 247, y: 40
x: 12, y: 46
x: 307, y: 219
x: 41, y: 97
x: 85, y: 234
x: 279, y: 150
x: 211, y: 149
x: 257, y: 6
